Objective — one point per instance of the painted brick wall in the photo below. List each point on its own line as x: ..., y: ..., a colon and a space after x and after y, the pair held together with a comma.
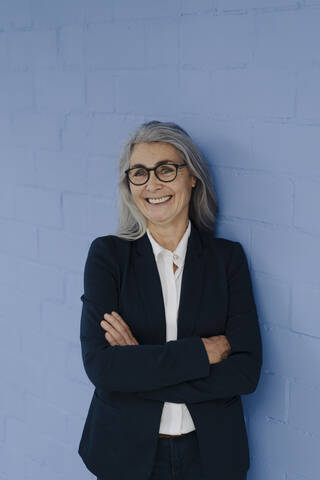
x: 242, y: 76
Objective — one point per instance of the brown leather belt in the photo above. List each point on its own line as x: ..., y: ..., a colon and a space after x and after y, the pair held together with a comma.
x: 165, y: 435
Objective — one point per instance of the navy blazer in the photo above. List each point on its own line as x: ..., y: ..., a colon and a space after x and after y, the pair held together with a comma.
x: 132, y: 382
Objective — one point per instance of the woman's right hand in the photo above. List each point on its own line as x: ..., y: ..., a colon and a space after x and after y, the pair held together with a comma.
x: 217, y: 347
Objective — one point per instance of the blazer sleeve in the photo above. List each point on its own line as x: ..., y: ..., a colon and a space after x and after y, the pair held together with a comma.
x: 128, y: 368
x: 239, y: 373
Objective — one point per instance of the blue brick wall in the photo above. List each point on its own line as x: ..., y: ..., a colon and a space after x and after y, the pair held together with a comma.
x: 76, y: 76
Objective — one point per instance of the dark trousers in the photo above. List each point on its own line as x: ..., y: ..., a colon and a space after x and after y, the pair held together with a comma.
x: 179, y: 459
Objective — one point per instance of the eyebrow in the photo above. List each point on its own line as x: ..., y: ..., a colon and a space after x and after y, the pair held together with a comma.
x: 157, y: 163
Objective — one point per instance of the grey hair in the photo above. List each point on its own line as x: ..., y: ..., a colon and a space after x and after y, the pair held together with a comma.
x: 203, y: 205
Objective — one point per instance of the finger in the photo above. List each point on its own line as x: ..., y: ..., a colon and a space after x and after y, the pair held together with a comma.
x: 107, y: 327
x: 123, y: 333
x: 117, y: 317
x: 120, y: 326
x: 110, y: 339
x: 116, y: 321
x: 121, y: 322
x: 118, y: 337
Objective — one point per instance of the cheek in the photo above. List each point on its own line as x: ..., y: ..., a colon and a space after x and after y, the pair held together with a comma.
x: 138, y: 200
x: 184, y: 193
x: 135, y: 195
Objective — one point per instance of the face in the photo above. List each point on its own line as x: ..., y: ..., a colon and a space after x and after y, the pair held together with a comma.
x: 176, y: 208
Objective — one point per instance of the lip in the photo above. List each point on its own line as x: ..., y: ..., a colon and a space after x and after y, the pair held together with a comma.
x: 158, y: 204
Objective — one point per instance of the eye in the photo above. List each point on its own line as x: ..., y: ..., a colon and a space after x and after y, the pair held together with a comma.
x: 166, y: 169
x: 138, y: 173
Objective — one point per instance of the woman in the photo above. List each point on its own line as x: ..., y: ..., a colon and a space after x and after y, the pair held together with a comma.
x: 169, y: 329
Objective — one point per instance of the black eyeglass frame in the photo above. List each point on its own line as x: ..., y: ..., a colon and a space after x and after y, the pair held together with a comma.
x: 177, y: 165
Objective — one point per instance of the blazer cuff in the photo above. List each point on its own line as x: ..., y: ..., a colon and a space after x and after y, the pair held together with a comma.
x: 194, y: 355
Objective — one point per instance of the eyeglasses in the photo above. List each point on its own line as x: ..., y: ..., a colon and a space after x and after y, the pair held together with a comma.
x: 164, y: 172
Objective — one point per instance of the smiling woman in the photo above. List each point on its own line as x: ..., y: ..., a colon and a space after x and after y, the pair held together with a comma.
x: 162, y: 196
x: 160, y: 159
x: 169, y: 329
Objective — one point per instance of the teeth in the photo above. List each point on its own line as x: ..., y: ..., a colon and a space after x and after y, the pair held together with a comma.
x: 158, y: 200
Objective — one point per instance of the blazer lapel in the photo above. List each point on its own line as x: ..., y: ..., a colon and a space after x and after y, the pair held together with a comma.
x: 149, y: 286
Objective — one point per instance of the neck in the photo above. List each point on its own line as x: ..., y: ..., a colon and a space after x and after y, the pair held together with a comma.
x: 168, y: 236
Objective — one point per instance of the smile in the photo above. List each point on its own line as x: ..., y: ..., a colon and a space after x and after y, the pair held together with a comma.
x: 159, y: 201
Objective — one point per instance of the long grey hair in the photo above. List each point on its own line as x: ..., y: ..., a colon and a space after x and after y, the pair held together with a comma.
x: 203, y: 205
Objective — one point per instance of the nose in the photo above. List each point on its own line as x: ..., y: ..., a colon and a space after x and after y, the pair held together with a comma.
x: 153, y: 180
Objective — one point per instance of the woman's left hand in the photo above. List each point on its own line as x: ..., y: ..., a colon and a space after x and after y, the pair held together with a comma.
x: 117, y: 331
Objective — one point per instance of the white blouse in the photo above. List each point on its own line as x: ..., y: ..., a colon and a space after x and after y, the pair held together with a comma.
x: 175, y: 418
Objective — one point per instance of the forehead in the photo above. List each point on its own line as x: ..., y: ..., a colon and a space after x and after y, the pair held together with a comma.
x: 149, y: 154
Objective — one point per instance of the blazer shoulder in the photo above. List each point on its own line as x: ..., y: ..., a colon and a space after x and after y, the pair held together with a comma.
x: 110, y: 249
x: 225, y: 243
x: 220, y: 243
x: 110, y: 242
x: 224, y: 248
x: 101, y: 243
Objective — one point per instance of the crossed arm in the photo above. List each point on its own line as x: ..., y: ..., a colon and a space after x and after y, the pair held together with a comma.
x: 156, y: 372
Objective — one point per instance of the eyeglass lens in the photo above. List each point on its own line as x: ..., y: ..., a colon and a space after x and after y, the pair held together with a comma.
x: 139, y: 175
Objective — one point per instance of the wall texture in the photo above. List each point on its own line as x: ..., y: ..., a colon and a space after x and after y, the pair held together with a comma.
x: 76, y: 76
